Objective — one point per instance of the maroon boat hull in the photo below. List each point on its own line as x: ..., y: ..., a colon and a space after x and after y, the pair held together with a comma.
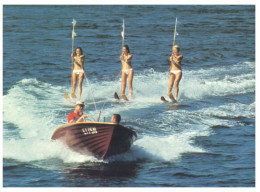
x: 94, y: 138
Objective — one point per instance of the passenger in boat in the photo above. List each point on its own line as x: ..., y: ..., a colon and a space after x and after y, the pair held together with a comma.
x: 77, y: 115
x: 78, y: 70
x: 116, y: 118
x: 175, y: 71
x: 127, y: 70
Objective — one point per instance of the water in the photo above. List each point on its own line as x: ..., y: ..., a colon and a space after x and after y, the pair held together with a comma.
x: 207, y: 140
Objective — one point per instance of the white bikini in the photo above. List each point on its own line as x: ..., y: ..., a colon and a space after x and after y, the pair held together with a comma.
x: 127, y: 71
x: 77, y: 71
x: 175, y: 72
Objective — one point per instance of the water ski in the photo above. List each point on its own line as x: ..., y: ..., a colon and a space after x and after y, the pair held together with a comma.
x: 73, y: 95
x: 164, y: 100
x: 118, y: 98
x: 66, y: 95
x: 124, y: 97
x: 172, y: 98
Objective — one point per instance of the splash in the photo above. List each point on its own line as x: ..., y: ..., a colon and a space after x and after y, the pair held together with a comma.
x: 33, y: 109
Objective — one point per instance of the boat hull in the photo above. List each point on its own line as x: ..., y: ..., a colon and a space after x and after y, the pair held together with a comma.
x: 98, y: 139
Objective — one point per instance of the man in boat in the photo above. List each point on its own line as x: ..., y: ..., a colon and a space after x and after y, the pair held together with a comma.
x: 77, y: 115
x: 116, y: 118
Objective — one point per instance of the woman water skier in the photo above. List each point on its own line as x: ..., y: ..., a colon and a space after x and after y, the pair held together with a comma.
x: 127, y: 70
x: 175, y: 71
x: 78, y: 70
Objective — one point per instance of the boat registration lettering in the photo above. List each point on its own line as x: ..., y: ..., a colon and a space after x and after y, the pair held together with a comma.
x: 89, y: 131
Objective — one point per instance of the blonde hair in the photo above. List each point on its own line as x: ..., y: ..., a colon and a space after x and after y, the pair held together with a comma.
x: 176, y: 47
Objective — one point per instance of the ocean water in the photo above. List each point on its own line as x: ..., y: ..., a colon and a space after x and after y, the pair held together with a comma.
x: 206, y: 140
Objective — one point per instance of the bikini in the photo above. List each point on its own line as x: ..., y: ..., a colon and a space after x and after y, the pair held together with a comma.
x: 175, y: 72
x: 126, y: 71
x: 77, y: 71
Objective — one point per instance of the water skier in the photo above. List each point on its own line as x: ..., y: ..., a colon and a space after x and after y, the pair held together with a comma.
x: 78, y: 71
x: 127, y: 70
x: 175, y: 71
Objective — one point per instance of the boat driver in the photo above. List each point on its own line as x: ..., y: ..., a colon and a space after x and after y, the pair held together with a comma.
x: 77, y: 115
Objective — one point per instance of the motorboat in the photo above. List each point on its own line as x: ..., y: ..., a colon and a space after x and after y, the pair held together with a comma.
x: 99, y: 139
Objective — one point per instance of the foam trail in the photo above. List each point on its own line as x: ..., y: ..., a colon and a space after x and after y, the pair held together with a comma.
x: 30, y: 106
x: 32, y: 110
x: 167, y: 148
x: 34, y: 150
x: 149, y: 85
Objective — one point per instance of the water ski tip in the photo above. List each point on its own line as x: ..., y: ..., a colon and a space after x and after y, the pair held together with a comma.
x: 122, y: 96
x: 163, y: 99
x: 66, y: 95
x: 116, y: 96
x: 73, y: 95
